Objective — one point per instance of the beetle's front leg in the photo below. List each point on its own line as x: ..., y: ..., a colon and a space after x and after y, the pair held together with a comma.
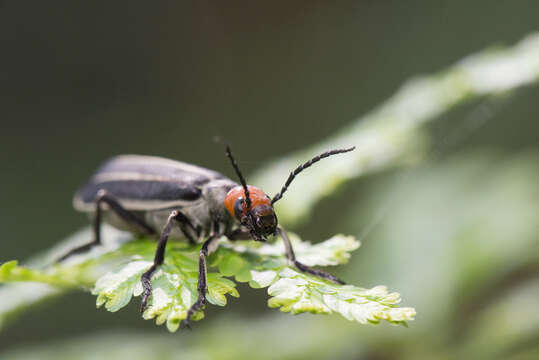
x: 158, y: 260
x: 292, y: 258
x: 202, y: 279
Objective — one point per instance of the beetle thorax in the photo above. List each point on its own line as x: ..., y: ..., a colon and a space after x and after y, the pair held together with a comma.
x: 259, y: 217
x: 235, y: 200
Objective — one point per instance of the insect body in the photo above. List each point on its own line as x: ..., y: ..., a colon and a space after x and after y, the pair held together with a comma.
x: 151, y: 195
x: 147, y: 188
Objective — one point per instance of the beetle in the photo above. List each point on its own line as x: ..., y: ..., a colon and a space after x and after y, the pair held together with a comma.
x: 141, y: 194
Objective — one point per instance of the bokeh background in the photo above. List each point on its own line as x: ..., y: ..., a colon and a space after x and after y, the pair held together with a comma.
x: 456, y: 234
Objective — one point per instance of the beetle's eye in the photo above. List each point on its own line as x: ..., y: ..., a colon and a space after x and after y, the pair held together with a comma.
x: 238, y: 208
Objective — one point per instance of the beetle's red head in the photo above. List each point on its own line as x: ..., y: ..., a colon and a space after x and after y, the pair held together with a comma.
x: 254, y: 209
x: 259, y: 217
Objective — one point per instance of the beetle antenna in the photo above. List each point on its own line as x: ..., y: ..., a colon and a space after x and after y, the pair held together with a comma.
x: 304, y: 166
x: 238, y: 172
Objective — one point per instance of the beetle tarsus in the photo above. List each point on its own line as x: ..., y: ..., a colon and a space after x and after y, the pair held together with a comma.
x: 185, y: 325
x: 197, y: 306
x: 319, y: 273
x: 147, y: 287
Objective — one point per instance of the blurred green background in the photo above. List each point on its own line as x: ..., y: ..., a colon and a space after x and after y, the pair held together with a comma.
x: 457, y: 236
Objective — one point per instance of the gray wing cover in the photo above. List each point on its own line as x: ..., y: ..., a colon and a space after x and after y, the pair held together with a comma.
x: 146, y: 183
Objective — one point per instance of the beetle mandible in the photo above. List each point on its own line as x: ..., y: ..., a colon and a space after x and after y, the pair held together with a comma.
x: 144, y: 193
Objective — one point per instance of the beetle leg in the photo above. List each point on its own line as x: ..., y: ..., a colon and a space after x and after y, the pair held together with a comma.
x: 292, y: 258
x: 158, y: 260
x: 202, y: 279
x: 126, y: 215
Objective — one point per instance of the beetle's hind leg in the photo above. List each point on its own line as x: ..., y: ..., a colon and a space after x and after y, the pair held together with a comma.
x: 292, y: 258
x: 104, y: 197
